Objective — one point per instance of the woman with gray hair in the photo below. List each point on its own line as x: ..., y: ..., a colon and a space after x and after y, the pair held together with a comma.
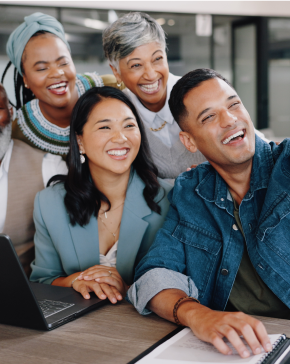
x: 135, y: 46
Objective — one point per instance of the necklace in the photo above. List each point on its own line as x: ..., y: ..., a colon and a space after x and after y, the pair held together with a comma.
x: 161, y: 127
x: 105, y: 212
x: 114, y: 234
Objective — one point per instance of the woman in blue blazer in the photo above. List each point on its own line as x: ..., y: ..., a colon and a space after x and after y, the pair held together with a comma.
x: 96, y: 223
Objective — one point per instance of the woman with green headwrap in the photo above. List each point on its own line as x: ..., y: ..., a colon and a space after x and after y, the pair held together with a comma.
x: 45, y: 75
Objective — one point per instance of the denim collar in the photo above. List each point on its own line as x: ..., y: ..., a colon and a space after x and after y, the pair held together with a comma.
x: 214, y: 189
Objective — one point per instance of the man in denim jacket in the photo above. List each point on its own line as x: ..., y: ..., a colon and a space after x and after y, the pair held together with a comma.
x: 226, y: 238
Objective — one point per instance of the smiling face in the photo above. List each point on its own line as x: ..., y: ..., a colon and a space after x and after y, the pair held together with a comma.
x: 111, y: 138
x: 145, y: 73
x: 49, y: 70
x: 218, y: 125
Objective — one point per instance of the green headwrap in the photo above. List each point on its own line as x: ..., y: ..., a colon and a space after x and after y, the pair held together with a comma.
x: 21, y: 35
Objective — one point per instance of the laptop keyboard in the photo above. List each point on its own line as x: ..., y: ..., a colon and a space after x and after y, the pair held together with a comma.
x: 50, y: 308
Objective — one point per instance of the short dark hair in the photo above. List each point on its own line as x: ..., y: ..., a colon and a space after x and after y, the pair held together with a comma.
x: 83, y: 199
x: 184, y: 85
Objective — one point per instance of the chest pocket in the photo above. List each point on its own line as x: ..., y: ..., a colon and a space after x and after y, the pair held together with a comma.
x: 274, y: 227
x: 202, y: 249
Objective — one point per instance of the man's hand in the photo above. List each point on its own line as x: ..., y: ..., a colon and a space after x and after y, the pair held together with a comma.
x: 211, y: 326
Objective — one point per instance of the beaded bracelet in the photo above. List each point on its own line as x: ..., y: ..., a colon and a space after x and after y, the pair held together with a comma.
x: 178, y: 303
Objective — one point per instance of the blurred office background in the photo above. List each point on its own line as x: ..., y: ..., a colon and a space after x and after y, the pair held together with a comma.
x: 248, y: 42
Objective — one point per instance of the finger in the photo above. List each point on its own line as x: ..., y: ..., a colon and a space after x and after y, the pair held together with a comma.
x: 95, y: 275
x: 111, y: 281
x: 115, y: 285
x: 83, y: 290
x: 98, y: 291
x: 231, y: 334
x: 250, y: 337
x: 194, y: 166
x: 109, y: 292
x: 117, y: 293
x: 220, y: 345
x: 91, y: 269
x: 188, y: 169
x: 261, y: 334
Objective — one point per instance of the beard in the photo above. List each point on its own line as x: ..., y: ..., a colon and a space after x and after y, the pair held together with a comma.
x: 5, y: 138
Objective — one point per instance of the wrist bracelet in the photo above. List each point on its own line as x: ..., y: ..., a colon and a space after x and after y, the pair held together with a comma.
x: 178, y: 303
x: 73, y: 281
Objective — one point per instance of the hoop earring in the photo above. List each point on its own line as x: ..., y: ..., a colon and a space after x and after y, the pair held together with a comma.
x: 82, y: 157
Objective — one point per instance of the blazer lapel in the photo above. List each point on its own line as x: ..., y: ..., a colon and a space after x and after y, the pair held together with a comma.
x: 133, y: 227
x: 86, y: 243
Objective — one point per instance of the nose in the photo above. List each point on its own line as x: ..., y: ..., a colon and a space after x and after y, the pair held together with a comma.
x: 55, y: 72
x: 119, y: 137
x: 150, y: 73
x: 227, y: 119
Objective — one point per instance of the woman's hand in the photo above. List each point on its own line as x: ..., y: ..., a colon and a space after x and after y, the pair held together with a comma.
x: 106, y: 282
x: 191, y: 167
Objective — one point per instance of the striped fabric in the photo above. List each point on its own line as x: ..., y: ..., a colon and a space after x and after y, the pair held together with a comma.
x: 42, y: 133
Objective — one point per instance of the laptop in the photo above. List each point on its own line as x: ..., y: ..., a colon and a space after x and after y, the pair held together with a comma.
x: 36, y: 305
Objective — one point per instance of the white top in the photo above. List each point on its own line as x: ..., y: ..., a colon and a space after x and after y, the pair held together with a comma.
x: 110, y: 259
x: 170, y: 133
x: 51, y: 165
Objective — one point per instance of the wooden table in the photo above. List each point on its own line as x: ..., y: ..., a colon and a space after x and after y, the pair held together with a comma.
x: 112, y: 334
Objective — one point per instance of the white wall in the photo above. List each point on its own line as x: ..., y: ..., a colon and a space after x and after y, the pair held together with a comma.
x: 254, y: 8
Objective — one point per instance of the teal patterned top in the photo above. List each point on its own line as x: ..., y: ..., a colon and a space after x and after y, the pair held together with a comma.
x: 42, y: 133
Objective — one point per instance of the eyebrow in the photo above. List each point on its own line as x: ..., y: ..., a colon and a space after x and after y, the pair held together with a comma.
x: 45, y: 62
x: 138, y: 59
x: 209, y: 108
x: 109, y: 120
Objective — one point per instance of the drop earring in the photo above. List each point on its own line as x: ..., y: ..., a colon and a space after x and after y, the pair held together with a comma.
x: 119, y: 84
x: 82, y: 157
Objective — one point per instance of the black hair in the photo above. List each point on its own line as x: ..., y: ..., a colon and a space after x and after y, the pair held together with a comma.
x: 22, y: 94
x: 183, y: 86
x: 82, y: 198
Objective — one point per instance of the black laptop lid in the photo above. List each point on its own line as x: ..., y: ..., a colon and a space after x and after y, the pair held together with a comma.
x: 18, y: 305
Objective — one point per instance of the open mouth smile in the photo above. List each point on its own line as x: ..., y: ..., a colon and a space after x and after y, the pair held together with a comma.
x: 59, y: 88
x: 238, y: 136
x: 151, y: 88
x: 119, y: 154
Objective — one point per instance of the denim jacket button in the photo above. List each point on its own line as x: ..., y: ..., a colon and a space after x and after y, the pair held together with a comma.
x: 235, y: 227
x: 224, y: 272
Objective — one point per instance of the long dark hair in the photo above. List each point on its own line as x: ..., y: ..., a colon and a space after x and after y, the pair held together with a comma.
x: 82, y: 198
x: 22, y: 94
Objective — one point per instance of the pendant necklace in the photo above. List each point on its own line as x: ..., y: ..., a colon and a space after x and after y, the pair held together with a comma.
x: 115, y: 233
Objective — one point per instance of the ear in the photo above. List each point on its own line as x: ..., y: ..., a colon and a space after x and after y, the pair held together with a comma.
x: 10, y: 108
x: 25, y: 81
x: 116, y: 74
x: 80, y: 143
x: 188, y: 141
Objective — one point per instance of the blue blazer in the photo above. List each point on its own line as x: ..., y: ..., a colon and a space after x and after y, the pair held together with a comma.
x: 62, y: 249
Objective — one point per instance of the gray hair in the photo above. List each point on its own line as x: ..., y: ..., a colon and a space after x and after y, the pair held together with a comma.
x: 129, y: 32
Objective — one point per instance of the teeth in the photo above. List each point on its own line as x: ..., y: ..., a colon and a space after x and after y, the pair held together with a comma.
x: 239, y: 133
x: 151, y: 87
x: 62, y: 84
x: 118, y: 152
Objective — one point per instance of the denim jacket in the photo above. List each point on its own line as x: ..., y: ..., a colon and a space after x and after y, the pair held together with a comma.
x: 199, y: 248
